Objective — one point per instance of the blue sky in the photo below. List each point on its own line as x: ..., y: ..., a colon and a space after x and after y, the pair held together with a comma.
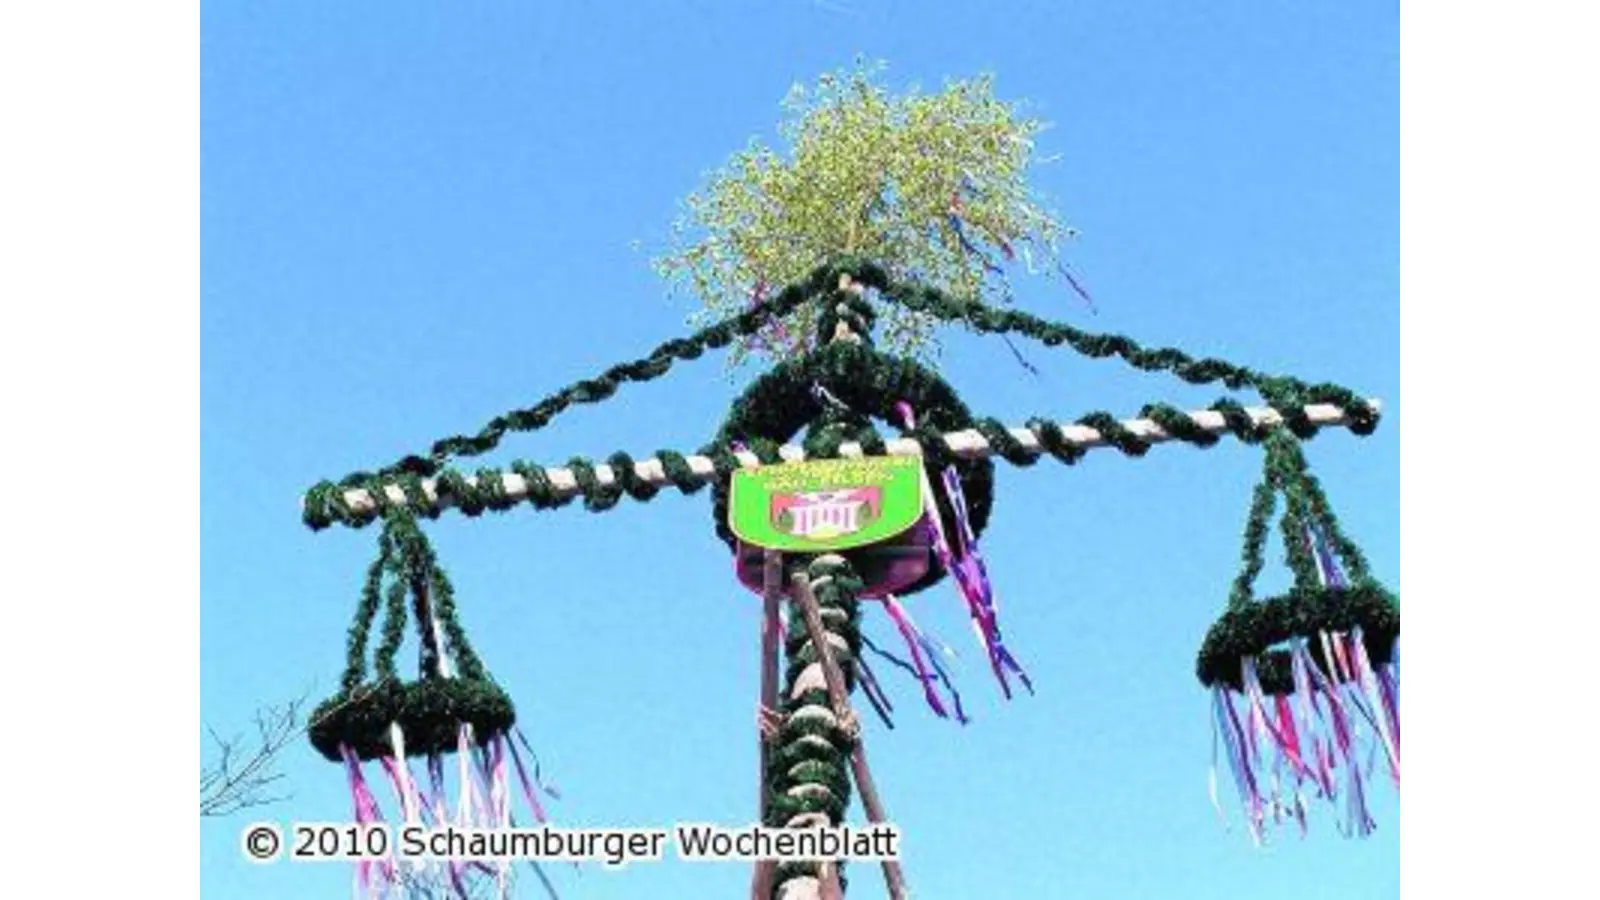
x: 415, y: 218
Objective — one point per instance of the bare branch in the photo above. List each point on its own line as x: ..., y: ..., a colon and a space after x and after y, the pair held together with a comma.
x: 241, y: 778
x: 241, y: 775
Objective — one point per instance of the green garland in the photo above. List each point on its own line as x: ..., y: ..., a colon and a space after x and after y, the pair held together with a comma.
x: 325, y: 502
x: 605, y: 385
x: 868, y: 384
x: 1288, y: 395
x: 429, y: 710
x: 1251, y: 628
x: 429, y: 713
x: 817, y: 769
x: 325, y: 505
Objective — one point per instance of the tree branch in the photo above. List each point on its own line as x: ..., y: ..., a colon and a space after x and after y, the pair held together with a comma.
x: 241, y: 778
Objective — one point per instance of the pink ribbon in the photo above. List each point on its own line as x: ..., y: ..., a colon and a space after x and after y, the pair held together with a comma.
x: 908, y: 631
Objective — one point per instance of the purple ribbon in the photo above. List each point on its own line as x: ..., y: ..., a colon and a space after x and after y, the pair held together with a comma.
x: 1282, y: 733
x: 366, y: 813
x: 528, y: 791
x: 1244, y: 777
x: 1332, y: 574
x: 527, y: 786
x: 972, y: 578
x: 456, y: 882
x: 968, y: 571
x: 1343, y: 753
x: 1379, y: 711
x: 944, y: 678
x: 908, y: 632
x: 970, y: 248
x: 1361, y: 819
x: 1304, y: 665
x: 1388, y: 685
x: 1067, y: 274
x: 492, y: 772
x: 875, y: 696
x: 549, y: 790
x: 441, y: 800
x: 1311, y: 733
x: 405, y: 791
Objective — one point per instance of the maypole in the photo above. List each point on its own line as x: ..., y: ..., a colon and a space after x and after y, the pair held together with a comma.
x: 845, y: 480
x: 817, y: 734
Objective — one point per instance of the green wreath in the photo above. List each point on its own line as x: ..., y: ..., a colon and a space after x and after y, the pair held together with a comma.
x: 1251, y: 630
x: 868, y: 384
x: 429, y: 713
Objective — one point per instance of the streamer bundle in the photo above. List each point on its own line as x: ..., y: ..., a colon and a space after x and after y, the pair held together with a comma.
x: 451, y: 709
x: 1305, y: 686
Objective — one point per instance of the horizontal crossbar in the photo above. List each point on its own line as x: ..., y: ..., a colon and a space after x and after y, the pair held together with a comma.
x: 968, y: 444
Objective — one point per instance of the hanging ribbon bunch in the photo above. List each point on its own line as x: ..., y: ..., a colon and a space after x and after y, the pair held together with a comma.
x: 957, y: 220
x: 453, y: 707
x: 1306, y: 686
x: 964, y: 562
x: 924, y: 652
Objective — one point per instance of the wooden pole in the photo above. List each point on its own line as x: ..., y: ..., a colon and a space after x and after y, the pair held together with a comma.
x: 967, y: 444
x: 807, y: 602
x: 771, y: 638
x: 832, y: 888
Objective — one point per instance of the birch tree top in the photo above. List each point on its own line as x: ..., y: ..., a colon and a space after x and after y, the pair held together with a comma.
x: 932, y: 186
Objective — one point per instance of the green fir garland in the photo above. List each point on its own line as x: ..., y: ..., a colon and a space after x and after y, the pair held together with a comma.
x: 809, y: 771
x: 1251, y: 628
x: 868, y: 384
x: 325, y: 504
x: 430, y: 709
x: 429, y: 713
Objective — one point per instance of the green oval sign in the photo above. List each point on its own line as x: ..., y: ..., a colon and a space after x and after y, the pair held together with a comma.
x: 830, y: 504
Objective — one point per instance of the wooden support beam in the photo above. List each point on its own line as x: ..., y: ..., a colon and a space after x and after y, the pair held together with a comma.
x: 969, y: 444
x: 840, y: 698
x: 771, y: 637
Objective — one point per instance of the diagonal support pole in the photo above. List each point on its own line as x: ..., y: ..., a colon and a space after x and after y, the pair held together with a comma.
x: 840, y: 699
x: 967, y: 444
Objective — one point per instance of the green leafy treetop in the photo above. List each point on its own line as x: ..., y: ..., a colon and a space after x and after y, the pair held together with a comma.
x: 930, y: 186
